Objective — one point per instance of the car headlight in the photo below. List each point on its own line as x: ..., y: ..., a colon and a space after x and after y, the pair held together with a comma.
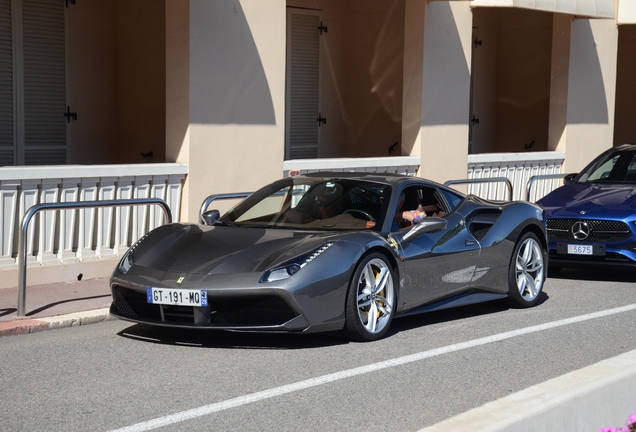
x: 128, y: 259
x: 291, y: 268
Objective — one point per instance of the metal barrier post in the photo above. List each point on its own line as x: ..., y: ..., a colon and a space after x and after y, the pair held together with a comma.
x: 485, y: 180
x: 209, y: 199
x: 532, y: 179
x: 22, y: 253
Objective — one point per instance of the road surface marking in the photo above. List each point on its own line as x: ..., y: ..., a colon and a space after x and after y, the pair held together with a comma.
x: 325, y: 379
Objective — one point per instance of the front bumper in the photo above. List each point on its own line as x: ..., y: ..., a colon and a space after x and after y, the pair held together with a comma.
x: 310, y: 301
x: 623, y: 256
x: 241, y: 311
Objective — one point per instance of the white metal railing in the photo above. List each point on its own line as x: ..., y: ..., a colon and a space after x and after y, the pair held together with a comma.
x: 395, y: 164
x: 67, y: 236
x: 506, y: 182
x: 22, y: 269
x: 540, y: 177
x: 518, y: 168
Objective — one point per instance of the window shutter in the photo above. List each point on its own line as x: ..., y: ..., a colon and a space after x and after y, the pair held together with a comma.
x: 303, y: 84
x: 44, y: 82
x: 6, y: 84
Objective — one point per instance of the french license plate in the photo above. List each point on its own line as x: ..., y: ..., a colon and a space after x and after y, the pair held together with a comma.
x: 580, y: 249
x: 177, y: 297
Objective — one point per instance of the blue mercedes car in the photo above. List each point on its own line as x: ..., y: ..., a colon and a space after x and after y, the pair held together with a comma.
x: 591, y: 219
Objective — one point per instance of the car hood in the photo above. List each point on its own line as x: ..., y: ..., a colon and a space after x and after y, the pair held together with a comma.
x: 189, y: 248
x: 575, y: 199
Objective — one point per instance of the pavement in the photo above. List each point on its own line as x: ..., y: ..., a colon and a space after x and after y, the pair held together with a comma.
x: 55, y: 305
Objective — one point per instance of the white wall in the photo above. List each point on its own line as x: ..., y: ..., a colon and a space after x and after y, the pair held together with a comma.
x: 560, y: 71
x: 625, y: 126
x: 236, y: 97
x: 443, y: 139
x: 591, y: 91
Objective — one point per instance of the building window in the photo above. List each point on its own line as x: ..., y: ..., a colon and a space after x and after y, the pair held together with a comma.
x: 33, y: 82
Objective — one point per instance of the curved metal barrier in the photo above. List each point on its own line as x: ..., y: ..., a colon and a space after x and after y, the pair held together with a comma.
x: 532, y: 179
x: 209, y: 199
x: 22, y: 252
x: 485, y: 180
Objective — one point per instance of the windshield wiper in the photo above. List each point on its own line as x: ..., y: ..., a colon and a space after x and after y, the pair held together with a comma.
x: 223, y: 223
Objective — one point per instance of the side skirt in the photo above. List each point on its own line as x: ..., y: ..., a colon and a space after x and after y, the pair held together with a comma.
x: 460, y: 300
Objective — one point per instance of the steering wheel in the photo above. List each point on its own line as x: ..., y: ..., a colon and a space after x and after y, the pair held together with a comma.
x: 362, y: 212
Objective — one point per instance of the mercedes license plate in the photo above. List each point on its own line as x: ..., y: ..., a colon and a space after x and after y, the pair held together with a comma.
x: 177, y: 297
x: 580, y: 249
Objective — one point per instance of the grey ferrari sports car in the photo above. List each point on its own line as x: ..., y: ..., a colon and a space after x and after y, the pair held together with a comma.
x: 334, y: 251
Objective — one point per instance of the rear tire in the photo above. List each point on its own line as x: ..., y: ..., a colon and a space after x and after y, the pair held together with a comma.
x: 371, y: 299
x: 527, y: 272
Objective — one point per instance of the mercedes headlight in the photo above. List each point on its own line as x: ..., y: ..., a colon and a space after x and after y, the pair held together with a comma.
x: 294, y: 266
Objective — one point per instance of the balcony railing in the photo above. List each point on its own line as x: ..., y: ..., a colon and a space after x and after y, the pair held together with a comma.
x: 518, y: 168
x: 78, y: 235
x: 397, y: 164
x: 69, y: 236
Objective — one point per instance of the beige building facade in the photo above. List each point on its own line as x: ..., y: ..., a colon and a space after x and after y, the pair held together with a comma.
x: 236, y: 90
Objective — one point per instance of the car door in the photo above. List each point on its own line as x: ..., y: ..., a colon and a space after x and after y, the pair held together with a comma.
x: 438, y: 264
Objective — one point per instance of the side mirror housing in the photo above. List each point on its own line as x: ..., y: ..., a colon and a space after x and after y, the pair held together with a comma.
x: 210, y: 216
x: 568, y: 178
x: 428, y: 225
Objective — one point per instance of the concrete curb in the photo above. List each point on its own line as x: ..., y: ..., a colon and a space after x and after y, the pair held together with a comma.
x: 600, y: 395
x: 61, y: 321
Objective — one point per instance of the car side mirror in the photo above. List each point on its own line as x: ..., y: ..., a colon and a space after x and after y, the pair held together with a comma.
x: 568, y: 178
x: 210, y: 216
x: 428, y: 225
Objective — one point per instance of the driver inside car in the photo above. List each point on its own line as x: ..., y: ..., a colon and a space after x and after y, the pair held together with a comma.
x: 325, y: 205
x: 407, y: 218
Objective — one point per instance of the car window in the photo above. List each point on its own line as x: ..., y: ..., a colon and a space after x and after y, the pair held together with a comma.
x: 618, y: 167
x: 452, y: 198
x: 287, y: 197
x: 603, y: 171
x: 314, y: 203
x: 415, y: 203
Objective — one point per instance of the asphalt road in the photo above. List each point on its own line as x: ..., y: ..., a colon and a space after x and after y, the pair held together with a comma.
x: 116, y: 374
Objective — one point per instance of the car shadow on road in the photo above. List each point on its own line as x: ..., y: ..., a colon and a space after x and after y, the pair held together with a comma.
x: 454, y: 314
x: 225, y: 339
x: 594, y: 274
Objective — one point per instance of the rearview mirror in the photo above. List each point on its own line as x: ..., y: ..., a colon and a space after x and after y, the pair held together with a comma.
x: 428, y: 225
x: 210, y: 216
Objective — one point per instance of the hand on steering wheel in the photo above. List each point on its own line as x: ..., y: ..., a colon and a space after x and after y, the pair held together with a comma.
x: 362, y: 212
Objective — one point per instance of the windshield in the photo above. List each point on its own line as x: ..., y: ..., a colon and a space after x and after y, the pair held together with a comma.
x: 615, y: 167
x: 317, y: 204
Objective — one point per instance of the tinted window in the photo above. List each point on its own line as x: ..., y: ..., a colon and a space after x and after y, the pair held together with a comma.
x: 615, y: 167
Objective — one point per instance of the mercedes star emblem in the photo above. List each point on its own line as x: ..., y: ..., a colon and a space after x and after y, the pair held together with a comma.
x: 580, y: 230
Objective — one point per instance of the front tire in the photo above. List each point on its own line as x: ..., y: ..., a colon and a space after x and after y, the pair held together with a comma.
x: 371, y: 299
x: 527, y: 272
